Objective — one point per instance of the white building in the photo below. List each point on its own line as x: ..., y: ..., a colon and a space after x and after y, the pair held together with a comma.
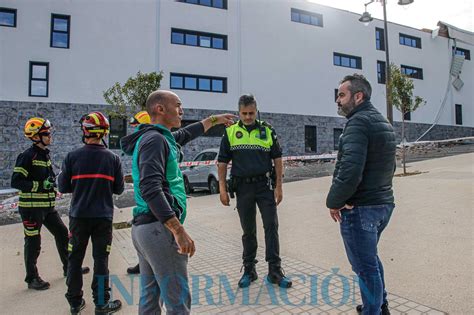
x: 291, y: 54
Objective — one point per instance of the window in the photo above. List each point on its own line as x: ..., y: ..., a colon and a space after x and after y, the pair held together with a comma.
x: 458, y: 114
x: 306, y: 17
x: 347, y: 61
x: 411, y: 41
x: 219, y: 4
x: 381, y: 73
x: 379, y: 39
x: 201, y: 39
x: 310, y: 140
x: 336, y: 92
x: 462, y: 52
x: 194, y: 82
x: 337, y: 134
x: 215, y: 131
x: 39, y: 78
x: 407, y: 116
x: 60, y: 29
x: 7, y: 17
x: 118, y: 129
x: 412, y: 72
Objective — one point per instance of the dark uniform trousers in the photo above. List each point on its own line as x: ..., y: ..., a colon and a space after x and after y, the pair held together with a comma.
x: 248, y: 196
x: 33, y: 220
x: 100, y: 232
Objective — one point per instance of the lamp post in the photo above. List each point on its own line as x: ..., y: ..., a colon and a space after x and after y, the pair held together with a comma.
x: 366, y: 18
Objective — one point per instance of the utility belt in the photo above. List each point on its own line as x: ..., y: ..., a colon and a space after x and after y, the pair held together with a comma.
x: 235, y: 181
x: 144, y: 218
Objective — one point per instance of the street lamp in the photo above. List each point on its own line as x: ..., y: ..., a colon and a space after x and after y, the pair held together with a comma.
x: 366, y: 18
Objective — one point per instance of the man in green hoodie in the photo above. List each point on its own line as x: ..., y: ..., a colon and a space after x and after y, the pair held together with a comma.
x: 158, y: 235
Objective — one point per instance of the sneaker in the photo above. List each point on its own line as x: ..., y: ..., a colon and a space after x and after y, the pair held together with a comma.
x: 109, y: 308
x: 250, y: 275
x: 77, y: 309
x: 133, y: 270
x: 38, y: 284
x: 385, y: 310
x: 277, y: 276
x: 84, y: 271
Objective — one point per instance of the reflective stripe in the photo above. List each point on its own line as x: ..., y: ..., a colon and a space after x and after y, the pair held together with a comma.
x: 69, y: 247
x: 35, y: 186
x: 249, y: 147
x: 20, y: 170
x: 47, y: 195
x: 31, y: 232
x: 36, y: 204
x: 111, y: 178
x: 107, y: 249
x: 41, y: 163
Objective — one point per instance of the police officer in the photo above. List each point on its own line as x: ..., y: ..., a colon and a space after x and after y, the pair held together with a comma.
x: 252, y: 146
x: 33, y: 175
x: 139, y: 118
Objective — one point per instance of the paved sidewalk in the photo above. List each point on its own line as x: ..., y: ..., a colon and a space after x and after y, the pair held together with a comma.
x: 427, y: 253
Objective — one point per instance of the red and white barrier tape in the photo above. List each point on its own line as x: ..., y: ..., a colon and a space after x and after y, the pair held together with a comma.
x: 286, y: 158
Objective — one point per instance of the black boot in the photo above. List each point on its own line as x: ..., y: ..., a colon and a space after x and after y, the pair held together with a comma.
x: 109, y: 308
x: 84, y: 270
x: 276, y: 275
x: 38, y: 284
x: 385, y: 310
x: 250, y: 275
x: 133, y: 270
x: 77, y: 309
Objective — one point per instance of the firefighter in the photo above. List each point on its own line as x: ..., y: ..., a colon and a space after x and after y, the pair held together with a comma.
x: 92, y: 174
x: 33, y: 175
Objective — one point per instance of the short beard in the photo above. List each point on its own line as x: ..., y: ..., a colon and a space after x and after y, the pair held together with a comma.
x: 344, y: 111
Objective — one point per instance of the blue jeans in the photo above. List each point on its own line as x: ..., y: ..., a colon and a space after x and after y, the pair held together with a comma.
x: 361, y: 228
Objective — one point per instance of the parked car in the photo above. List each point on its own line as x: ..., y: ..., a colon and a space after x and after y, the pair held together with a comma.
x: 203, y: 176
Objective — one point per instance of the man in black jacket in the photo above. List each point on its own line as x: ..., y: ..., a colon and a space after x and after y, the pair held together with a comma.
x: 92, y: 174
x: 361, y: 195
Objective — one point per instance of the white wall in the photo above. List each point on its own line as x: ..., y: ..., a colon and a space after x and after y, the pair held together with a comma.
x: 109, y: 42
x: 287, y: 65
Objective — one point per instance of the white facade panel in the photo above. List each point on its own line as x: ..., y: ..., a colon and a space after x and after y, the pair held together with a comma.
x: 287, y: 65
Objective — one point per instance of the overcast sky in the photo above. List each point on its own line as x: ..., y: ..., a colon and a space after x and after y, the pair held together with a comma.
x: 419, y: 14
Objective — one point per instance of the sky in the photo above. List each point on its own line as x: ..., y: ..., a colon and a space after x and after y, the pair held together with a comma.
x: 419, y: 14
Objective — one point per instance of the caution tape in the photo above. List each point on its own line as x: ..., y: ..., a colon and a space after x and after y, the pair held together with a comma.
x: 286, y: 158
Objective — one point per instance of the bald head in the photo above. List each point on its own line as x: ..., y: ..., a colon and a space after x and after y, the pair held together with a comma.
x: 158, y: 97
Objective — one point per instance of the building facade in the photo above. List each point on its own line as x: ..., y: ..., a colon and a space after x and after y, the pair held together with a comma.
x: 57, y: 58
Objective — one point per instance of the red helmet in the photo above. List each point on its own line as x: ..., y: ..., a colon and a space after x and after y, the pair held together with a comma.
x: 95, y: 125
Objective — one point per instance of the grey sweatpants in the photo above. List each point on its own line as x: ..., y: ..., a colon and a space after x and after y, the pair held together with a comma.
x: 163, y: 272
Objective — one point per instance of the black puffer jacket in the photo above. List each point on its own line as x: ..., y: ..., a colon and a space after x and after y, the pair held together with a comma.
x: 365, y: 162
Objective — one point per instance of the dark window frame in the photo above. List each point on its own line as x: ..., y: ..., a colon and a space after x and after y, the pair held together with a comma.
x: 10, y: 11
x: 465, y: 52
x: 381, y: 72
x: 458, y: 114
x: 336, y: 94
x: 68, y: 32
x: 357, y: 59
x: 310, y: 14
x: 308, y: 137
x: 197, y: 77
x: 115, y: 145
x: 212, y: 36
x: 419, y: 71
x: 380, y: 42
x: 407, y: 116
x: 416, y: 39
x: 199, y: 2
x: 31, y: 79
x: 336, y: 139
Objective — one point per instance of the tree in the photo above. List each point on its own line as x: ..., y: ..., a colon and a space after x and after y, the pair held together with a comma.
x: 402, y: 98
x: 131, y: 97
